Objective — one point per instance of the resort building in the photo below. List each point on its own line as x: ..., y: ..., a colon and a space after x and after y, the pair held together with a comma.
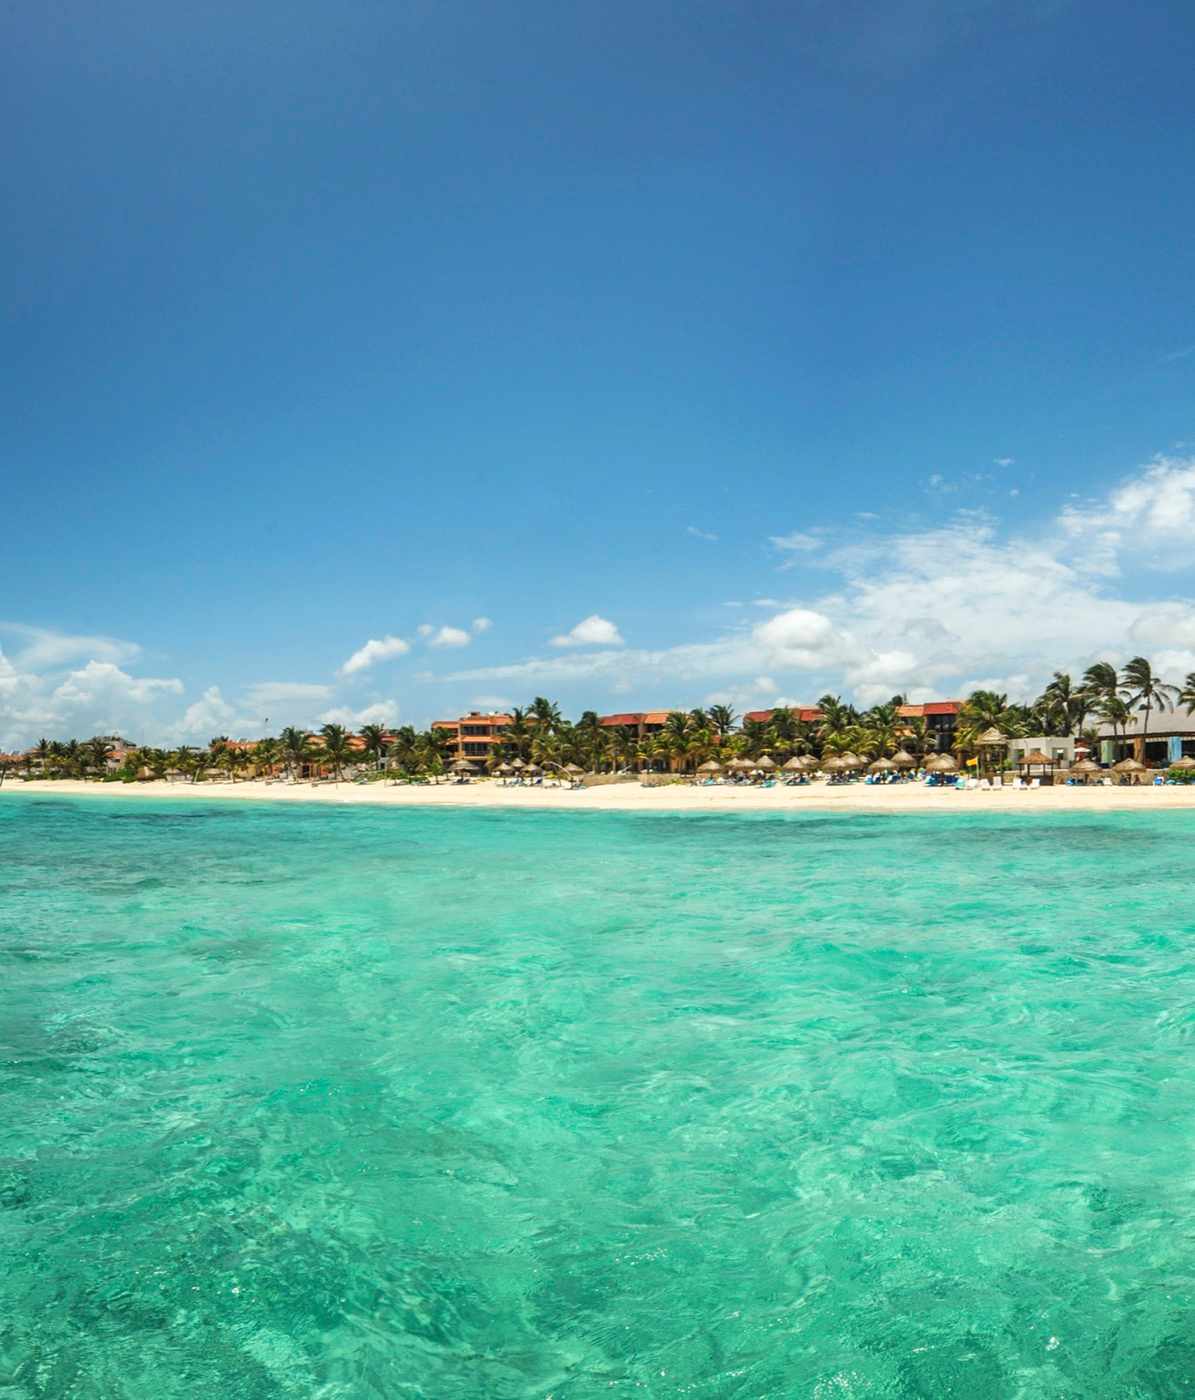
x: 643, y: 722
x: 1171, y: 737
x: 475, y: 734
x: 941, y: 720
x: 121, y: 749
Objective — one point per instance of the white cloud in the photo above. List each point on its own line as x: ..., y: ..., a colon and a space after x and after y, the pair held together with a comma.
x: 1004, y: 461
x: 43, y: 649
x: 482, y: 624
x: 450, y: 637
x: 382, y: 712
x: 697, y: 534
x: 926, y: 611
x: 1150, y: 516
x: 211, y: 714
x: 797, y: 637
x: 265, y: 695
x: 591, y: 631
x: 425, y: 629
x: 376, y: 649
x: 103, y: 682
x: 798, y: 541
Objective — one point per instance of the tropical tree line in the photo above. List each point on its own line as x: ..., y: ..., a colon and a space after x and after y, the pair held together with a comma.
x: 539, y: 734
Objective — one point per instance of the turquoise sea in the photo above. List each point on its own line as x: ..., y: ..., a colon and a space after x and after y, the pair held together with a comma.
x: 319, y: 1102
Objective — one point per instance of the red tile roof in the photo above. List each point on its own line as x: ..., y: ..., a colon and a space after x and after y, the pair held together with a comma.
x: 807, y: 714
x: 932, y: 707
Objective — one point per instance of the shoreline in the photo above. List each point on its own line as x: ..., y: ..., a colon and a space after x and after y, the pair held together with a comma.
x: 630, y: 797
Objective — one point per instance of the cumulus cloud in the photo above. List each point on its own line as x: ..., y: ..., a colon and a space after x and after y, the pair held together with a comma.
x: 1150, y: 516
x: 375, y: 650
x: 481, y: 624
x: 209, y: 715
x: 449, y: 637
x: 797, y: 637
x: 925, y: 612
x: 94, y: 698
x: 590, y: 631
x: 698, y: 534
x: 381, y: 712
x: 104, y: 682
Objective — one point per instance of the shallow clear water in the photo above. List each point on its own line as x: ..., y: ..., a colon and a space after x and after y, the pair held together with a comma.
x: 354, y: 1103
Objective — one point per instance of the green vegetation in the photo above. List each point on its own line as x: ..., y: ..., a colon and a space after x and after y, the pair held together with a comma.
x: 540, y: 734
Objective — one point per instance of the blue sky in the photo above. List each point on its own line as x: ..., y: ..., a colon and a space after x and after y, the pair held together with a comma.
x: 803, y: 346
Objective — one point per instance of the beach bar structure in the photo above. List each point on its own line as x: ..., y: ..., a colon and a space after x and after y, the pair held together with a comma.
x: 1171, y: 737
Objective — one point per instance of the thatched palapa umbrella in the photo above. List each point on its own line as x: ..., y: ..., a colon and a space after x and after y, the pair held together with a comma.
x: 518, y: 765
x: 711, y: 766
x: 1186, y: 763
x: 881, y: 765
x: 833, y: 765
x: 901, y: 759
x: 942, y: 763
x: 1129, y: 768
x: 574, y: 769
x: 462, y: 765
x: 1085, y: 767
x: 794, y: 765
x: 766, y: 764
x: 1036, y: 759
x: 852, y: 760
x: 741, y: 765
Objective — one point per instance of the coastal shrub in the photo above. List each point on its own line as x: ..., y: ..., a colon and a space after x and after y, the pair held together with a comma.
x: 1180, y: 775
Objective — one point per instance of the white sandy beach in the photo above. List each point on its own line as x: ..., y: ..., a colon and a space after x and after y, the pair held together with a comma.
x: 631, y: 797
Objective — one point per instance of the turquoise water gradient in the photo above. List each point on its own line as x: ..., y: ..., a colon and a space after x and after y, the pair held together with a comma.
x: 318, y: 1102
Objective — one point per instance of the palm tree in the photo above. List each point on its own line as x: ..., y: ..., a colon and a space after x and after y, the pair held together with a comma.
x: 986, y: 709
x: 296, y: 749
x: 1186, y: 696
x: 1113, y: 710
x: 1144, y: 690
x: 722, y: 720
x: 546, y: 714
x: 375, y: 743
x: 516, y: 736
x: 266, y: 754
x: 42, y: 751
x: 336, y: 747
x: 1101, y: 681
x: 401, y: 752
x: 836, y: 715
x: 98, y: 751
x: 757, y: 738
x: 1063, y: 707
x: 915, y: 737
